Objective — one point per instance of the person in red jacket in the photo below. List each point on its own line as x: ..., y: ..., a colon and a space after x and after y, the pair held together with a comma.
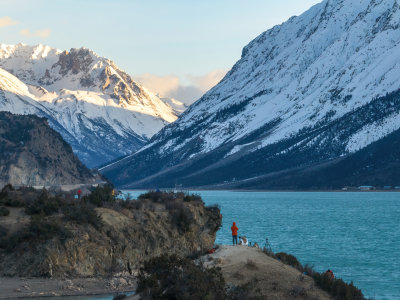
x: 329, y: 274
x: 234, y: 233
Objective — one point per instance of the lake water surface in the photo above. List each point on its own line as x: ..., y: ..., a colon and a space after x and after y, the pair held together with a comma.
x: 357, y: 235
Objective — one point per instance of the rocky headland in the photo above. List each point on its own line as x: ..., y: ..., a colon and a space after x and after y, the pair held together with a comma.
x: 159, y: 245
x: 53, y: 236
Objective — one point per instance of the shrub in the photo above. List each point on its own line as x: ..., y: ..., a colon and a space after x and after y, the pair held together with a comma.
x: 3, y: 236
x: 336, y: 287
x: 27, y: 189
x: 5, y: 198
x: 164, y: 197
x: 131, y: 204
x: 82, y: 213
x: 44, y: 205
x: 173, y: 205
x: 183, y: 219
x: 10, y: 198
x: 213, y: 207
x: 42, y: 229
x: 192, y: 198
x: 307, y: 270
x: 14, y: 201
x: 4, y: 211
x: 38, y: 230
x: 8, y: 187
x: 289, y: 260
x: 3, y: 231
x: 4, y: 192
x: 158, y: 196
x: 172, y: 277
x: 100, y: 195
x: 215, y: 216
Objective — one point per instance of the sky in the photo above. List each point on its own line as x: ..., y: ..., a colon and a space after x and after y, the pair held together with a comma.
x: 176, y: 48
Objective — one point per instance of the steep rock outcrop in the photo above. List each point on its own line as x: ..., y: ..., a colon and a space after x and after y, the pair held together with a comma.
x: 126, y: 238
x: 34, y: 154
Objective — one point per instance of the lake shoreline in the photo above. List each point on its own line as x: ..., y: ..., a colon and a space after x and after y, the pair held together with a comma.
x: 267, y: 191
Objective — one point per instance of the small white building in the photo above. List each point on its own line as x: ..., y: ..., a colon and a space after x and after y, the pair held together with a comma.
x: 366, y: 188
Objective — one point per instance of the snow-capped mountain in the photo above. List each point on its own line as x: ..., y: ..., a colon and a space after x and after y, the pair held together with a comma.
x: 95, y: 105
x: 317, y: 87
x: 178, y: 106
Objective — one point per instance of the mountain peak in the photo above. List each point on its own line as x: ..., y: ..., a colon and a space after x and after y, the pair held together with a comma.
x: 295, y: 80
x: 87, y: 98
x: 26, y: 51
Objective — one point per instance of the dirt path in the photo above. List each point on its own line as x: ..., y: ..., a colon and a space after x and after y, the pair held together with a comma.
x: 263, y: 275
x: 43, y: 287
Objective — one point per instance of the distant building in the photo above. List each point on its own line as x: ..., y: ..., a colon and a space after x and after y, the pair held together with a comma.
x: 366, y: 188
x: 387, y: 187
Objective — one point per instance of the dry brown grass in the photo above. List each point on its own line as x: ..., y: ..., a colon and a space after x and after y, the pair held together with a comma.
x: 264, y: 277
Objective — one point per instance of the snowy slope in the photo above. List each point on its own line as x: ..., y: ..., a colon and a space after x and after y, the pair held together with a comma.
x: 103, y: 113
x: 291, y: 81
x: 178, y: 106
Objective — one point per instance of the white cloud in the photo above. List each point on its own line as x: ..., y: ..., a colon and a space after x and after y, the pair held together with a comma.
x: 43, y: 33
x: 162, y: 85
x: 209, y: 80
x: 7, y: 21
x: 171, y: 87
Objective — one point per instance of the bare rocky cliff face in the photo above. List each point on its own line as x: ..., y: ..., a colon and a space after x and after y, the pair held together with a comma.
x: 126, y: 234
x: 34, y: 154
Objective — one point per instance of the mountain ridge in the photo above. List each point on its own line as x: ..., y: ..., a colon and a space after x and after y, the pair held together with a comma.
x: 300, y: 76
x: 96, y: 103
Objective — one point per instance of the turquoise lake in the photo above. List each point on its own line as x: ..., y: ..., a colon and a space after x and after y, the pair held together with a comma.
x: 355, y: 234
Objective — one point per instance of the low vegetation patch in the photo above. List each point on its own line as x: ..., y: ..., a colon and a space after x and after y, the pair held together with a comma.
x: 336, y: 287
x: 174, y: 203
x: 166, y: 197
x: 38, y: 230
x: 288, y: 259
x: 82, y: 213
x: 100, y: 196
x: 4, y: 211
x: 183, y: 219
x: 44, y: 205
x: 52, y: 211
x: 4, y: 193
x: 172, y: 277
x: 3, y: 236
x: 251, y: 265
